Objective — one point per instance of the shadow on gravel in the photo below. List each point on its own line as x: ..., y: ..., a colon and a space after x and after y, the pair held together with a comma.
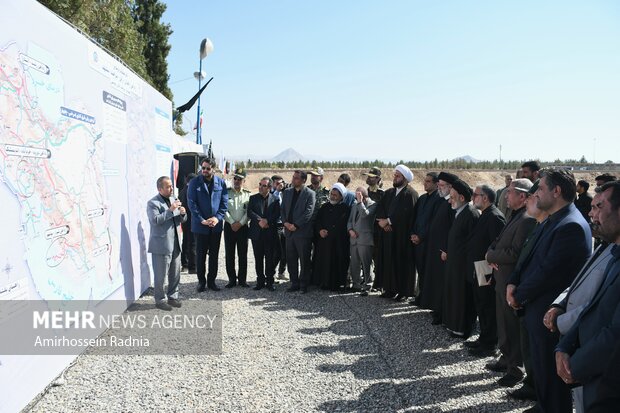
x: 411, y: 364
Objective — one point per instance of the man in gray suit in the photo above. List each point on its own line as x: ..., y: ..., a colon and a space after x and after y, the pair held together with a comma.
x: 361, y: 226
x: 582, y: 355
x: 565, y: 310
x: 165, y: 216
x: 297, y: 210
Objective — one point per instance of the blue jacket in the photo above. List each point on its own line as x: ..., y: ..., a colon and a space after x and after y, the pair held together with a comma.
x: 204, y: 205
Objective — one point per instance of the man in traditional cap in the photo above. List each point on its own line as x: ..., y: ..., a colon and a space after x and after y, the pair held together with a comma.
x: 459, y: 314
x: 435, y: 267
x: 373, y: 180
x: 425, y: 209
x: 332, y: 246
x: 236, y: 230
x: 502, y: 255
x: 395, y: 217
x: 487, y: 229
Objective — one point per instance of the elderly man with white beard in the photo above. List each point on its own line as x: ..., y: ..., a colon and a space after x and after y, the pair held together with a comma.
x: 395, y: 217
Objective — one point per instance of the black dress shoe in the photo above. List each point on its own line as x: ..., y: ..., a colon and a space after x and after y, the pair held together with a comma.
x: 244, y: 285
x: 399, y: 297
x: 523, y: 393
x: 436, y: 320
x: 201, y: 288
x: 508, y: 380
x: 174, y: 303
x: 163, y: 306
x: 471, y: 344
x: 258, y: 287
x: 483, y: 351
x: 229, y: 285
x: 303, y: 290
x: 497, y: 367
x: 292, y: 289
x: 213, y: 287
x: 363, y: 293
x: 271, y: 288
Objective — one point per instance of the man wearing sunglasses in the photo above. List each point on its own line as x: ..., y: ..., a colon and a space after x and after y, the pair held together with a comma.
x: 207, y: 197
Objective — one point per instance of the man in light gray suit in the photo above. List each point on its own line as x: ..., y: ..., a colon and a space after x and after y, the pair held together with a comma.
x: 297, y: 210
x: 165, y: 215
x: 361, y: 226
x: 583, y: 353
x: 565, y: 310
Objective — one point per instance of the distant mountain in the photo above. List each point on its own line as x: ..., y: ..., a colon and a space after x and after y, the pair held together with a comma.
x: 288, y: 155
x: 467, y: 159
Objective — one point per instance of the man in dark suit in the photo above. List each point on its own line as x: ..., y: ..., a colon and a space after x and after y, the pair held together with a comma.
x: 297, y: 210
x: 584, y: 199
x: 487, y: 229
x: 165, y: 216
x: 395, y: 217
x: 503, y: 254
x: 264, y: 214
x: 582, y: 355
x: 423, y: 214
x: 207, y: 196
x: 561, y: 246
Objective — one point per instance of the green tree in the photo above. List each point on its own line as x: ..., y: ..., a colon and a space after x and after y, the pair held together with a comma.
x: 147, y: 16
x: 110, y: 24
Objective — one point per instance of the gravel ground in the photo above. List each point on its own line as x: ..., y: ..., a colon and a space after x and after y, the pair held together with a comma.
x: 285, y: 352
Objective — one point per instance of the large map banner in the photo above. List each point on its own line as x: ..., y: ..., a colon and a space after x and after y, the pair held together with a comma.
x: 82, y: 142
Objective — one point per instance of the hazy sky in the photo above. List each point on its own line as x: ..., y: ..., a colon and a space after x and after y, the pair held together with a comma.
x: 407, y: 79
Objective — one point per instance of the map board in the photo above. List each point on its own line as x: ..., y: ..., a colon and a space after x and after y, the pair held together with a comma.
x: 82, y: 142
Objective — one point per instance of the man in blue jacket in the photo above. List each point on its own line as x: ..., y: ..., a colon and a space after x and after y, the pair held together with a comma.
x: 562, y: 244
x: 207, y: 197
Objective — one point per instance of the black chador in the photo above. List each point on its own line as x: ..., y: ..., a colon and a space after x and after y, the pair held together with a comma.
x: 331, y: 258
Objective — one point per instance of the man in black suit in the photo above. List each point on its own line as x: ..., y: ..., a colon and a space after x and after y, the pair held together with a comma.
x: 583, y: 354
x: 487, y: 229
x: 297, y: 210
x: 264, y: 214
x: 562, y: 244
x: 584, y: 199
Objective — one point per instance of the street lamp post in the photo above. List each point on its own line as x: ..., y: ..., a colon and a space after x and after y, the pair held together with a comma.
x: 206, y: 47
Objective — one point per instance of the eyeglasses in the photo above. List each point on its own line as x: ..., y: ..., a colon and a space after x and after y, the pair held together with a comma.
x: 206, y: 168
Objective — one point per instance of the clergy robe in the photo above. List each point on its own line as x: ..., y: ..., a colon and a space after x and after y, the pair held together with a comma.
x: 396, y: 259
x: 435, y: 268
x: 459, y: 313
x: 424, y: 211
x: 331, y: 258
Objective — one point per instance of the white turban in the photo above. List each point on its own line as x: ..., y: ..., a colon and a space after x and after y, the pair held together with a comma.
x: 405, y: 171
x: 340, y: 188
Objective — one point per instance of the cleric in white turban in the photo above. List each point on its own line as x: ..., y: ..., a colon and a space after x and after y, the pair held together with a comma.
x: 405, y: 171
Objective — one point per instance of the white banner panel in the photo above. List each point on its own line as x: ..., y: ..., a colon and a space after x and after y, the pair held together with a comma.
x: 82, y: 142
